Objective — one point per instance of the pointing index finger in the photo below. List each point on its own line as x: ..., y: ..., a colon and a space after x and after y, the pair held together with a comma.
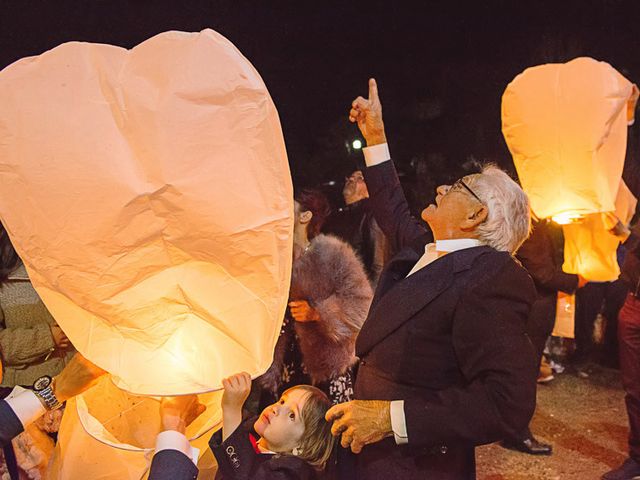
x: 373, y: 90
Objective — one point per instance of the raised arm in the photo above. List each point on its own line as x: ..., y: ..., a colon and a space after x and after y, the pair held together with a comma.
x: 386, y: 198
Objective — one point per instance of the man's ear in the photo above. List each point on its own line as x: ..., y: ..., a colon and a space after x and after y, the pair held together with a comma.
x: 475, y: 218
x: 305, y: 217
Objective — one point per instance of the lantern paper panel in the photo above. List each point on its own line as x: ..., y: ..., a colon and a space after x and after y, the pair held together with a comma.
x: 589, y: 248
x: 149, y: 195
x: 131, y: 422
x: 566, y: 128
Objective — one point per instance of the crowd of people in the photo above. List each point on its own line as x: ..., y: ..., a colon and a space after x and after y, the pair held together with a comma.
x: 403, y: 383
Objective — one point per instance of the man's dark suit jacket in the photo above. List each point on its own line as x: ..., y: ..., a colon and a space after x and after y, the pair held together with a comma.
x: 166, y: 465
x: 450, y: 341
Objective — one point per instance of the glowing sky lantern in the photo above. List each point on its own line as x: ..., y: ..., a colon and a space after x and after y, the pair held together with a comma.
x: 149, y: 195
x: 566, y: 127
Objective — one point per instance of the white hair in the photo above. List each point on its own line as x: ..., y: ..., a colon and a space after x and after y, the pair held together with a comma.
x: 508, y: 222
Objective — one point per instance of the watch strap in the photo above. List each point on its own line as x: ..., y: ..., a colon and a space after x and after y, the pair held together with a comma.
x: 48, y: 398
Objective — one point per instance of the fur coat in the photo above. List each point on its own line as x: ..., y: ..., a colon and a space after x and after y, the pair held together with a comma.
x: 332, y: 279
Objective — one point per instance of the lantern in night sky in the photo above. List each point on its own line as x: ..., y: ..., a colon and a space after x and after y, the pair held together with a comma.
x: 566, y: 128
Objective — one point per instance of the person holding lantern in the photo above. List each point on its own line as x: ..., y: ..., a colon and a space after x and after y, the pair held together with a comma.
x: 172, y: 460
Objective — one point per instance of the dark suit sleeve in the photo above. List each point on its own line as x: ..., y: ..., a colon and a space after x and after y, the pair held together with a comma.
x: 390, y: 207
x: 172, y: 465
x: 237, y: 460
x: 10, y: 425
x: 497, y: 361
x: 536, y: 255
x: 236, y: 457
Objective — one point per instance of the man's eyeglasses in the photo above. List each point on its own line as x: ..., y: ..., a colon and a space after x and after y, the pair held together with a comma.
x: 461, y: 184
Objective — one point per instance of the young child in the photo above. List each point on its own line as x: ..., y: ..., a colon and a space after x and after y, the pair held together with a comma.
x: 293, y: 439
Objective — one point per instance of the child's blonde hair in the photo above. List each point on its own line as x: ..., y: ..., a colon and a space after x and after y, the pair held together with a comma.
x: 317, y: 442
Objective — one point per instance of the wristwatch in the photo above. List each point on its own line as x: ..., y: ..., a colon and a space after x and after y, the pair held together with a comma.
x: 43, y: 388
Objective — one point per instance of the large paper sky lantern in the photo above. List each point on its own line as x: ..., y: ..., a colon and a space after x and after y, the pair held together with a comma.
x: 149, y: 195
x: 566, y: 127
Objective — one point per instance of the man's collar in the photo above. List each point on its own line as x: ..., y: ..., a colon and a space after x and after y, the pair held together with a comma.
x: 456, y: 244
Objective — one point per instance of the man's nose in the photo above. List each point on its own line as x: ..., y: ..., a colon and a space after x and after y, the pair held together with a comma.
x: 443, y: 189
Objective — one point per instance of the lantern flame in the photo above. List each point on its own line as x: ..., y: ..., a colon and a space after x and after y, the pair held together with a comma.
x: 566, y: 218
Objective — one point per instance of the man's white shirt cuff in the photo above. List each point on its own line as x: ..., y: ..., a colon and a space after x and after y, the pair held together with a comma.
x: 376, y: 154
x: 398, y: 422
x: 25, y: 405
x: 172, y: 440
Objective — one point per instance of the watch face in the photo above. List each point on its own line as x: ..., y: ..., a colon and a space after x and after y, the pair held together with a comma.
x: 42, y: 383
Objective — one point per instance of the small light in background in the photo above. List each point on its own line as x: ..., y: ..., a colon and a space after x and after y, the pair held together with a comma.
x: 357, y: 144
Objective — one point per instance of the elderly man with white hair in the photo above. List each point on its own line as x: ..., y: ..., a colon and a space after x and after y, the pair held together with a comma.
x: 445, y: 361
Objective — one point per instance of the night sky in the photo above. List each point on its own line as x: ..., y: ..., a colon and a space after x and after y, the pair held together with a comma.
x: 441, y: 66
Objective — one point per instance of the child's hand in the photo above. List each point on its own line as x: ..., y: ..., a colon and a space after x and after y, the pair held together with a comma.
x: 236, y: 390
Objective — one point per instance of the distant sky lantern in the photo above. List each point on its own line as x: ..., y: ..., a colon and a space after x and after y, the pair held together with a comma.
x: 149, y: 195
x: 566, y: 127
